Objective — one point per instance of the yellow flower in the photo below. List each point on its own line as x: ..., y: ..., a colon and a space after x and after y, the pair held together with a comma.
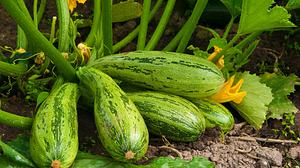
x: 73, y: 4
x: 220, y: 62
x: 230, y: 93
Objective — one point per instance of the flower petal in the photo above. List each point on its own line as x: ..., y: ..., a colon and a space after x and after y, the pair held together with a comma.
x: 72, y: 5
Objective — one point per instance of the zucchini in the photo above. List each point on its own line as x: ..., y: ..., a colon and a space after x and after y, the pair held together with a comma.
x: 54, y: 138
x: 216, y: 115
x: 176, y: 73
x: 120, y: 126
x: 169, y: 115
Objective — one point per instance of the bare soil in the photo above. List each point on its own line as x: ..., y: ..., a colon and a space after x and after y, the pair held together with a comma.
x: 242, y: 147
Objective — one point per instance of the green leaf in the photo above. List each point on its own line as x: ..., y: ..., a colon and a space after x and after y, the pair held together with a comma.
x: 254, y: 106
x: 220, y: 42
x: 7, y: 163
x: 281, y: 86
x: 259, y: 15
x: 197, y: 52
x: 233, y: 6
x: 92, y: 161
x: 126, y: 10
x: 293, y: 4
x: 41, y: 97
x: 14, y: 155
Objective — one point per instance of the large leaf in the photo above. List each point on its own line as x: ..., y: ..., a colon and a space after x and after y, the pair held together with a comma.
x: 92, y: 161
x: 292, y: 4
x: 87, y: 160
x: 259, y: 15
x: 233, y: 6
x: 14, y: 155
x: 281, y: 86
x: 254, y: 106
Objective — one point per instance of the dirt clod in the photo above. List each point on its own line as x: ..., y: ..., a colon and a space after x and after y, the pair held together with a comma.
x: 295, y: 152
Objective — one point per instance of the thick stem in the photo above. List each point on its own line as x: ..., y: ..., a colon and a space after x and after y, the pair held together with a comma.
x: 160, y: 29
x: 41, y: 10
x: 15, y: 120
x: 196, y: 14
x: 135, y: 32
x: 39, y: 40
x: 21, y: 37
x: 35, y: 15
x: 90, y: 40
x: 107, y: 26
x: 63, y: 18
x: 11, y: 69
x: 144, y: 25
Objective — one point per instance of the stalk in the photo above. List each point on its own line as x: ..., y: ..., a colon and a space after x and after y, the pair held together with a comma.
x: 144, y: 25
x: 90, y: 40
x: 107, y: 26
x: 12, y: 70
x: 63, y: 18
x: 161, y: 25
x: 197, y: 12
x: 40, y: 41
x: 35, y: 15
x: 21, y: 37
x: 248, y: 39
x: 41, y: 10
x: 15, y: 120
x: 135, y: 32
x: 228, y: 28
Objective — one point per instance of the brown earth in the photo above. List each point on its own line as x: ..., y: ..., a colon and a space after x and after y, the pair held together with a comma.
x: 242, y: 147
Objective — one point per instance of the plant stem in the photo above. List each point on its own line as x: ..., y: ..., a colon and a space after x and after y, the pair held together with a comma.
x: 15, y: 120
x: 35, y: 17
x: 161, y: 25
x: 21, y: 37
x: 135, y: 32
x: 144, y: 25
x: 228, y: 28
x: 40, y: 41
x: 297, y: 83
x: 229, y: 45
x: 12, y: 69
x: 174, y: 42
x: 41, y: 10
x: 248, y: 39
x: 96, y: 25
x: 63, y: 18
x: 107, y: 26
x: 52, y: 31
x: 192, y: 23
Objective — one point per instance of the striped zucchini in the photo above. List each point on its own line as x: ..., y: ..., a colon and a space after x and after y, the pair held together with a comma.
x: 121, y: 128
x: 176, y: 73
x: 54, y: 136
x: 216, y: 115
x: 169, y: 115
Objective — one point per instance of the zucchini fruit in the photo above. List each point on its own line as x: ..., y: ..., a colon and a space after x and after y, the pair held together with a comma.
x: 176, y: 73
x: 121, y: 128
x: 54, y: 139
x: 216, y: 115
x: 169, y: 115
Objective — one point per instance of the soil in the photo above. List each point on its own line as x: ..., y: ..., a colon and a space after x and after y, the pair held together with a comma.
x: 240, y: 148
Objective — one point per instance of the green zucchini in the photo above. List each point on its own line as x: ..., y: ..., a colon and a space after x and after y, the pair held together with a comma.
x: 120, y: 126
x: 216, y: 115
x: 169, y: 115
x: 176, y: 73
x: 54, y: 136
